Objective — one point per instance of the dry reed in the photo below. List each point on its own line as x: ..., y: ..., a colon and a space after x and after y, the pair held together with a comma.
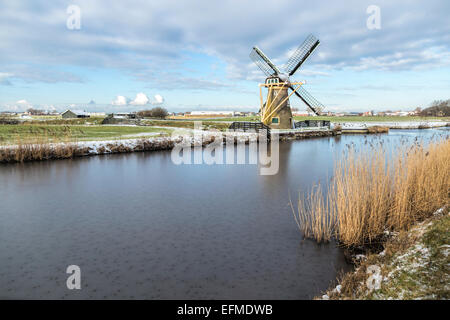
x: 40, y: 148
x: 313, y: 218
x: 369, y: 195
x: 377, y: 129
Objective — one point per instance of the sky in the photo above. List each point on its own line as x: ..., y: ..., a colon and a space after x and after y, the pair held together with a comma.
x: 115, y: 55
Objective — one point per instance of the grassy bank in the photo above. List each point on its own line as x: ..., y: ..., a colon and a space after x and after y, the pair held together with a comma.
x: 13, y: 134
x: 413, y: 265
x: 206, y: 125
x: 37, y: 120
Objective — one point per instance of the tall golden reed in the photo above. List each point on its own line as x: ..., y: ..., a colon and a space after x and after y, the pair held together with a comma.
x: 314, y: 219
x: 39, y: 148
x: 369, y: 194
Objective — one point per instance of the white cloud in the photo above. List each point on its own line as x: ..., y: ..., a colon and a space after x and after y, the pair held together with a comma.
x: 176, y: 28
x: 140, y: 100
x: 120, y: 101
x: 23, y: 101
x: 158, y: 99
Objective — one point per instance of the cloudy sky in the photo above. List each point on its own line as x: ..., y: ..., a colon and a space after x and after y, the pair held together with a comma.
x: 194, y: 55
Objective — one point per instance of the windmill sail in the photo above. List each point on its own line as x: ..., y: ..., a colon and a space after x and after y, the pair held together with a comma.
x: 309, y: 100
x: 301, y: 54
x: 263, y: 62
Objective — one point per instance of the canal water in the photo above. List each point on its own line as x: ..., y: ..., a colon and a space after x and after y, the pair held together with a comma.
x: 141, y: 227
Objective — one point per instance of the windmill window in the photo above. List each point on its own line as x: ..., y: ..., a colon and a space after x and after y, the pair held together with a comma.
x: 275, y: 120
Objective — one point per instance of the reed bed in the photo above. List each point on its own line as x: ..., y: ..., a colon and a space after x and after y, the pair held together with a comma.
x: 377, y: 129
x: 313, y: 219
x: 39, y: 148
x: 370, y: 195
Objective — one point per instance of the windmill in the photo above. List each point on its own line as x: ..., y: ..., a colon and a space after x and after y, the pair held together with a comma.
x: 276, y: 111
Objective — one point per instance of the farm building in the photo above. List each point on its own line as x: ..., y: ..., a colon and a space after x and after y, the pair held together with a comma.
x: 121, y: 118
x: 68, y: 114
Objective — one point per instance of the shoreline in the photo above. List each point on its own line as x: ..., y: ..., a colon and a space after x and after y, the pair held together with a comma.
x: 65, y: 150
x: 74, y: 149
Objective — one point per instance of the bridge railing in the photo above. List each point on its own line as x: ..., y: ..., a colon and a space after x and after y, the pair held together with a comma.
x: 250, y: 126
x: 312, y: 123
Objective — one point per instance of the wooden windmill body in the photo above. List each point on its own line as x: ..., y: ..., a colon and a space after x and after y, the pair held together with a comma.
x: 276, y: 110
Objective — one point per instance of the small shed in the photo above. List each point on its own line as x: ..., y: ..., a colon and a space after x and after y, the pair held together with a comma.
x: 68, y: 114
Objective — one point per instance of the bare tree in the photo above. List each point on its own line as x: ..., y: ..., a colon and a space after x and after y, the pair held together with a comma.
x: 156, y: 112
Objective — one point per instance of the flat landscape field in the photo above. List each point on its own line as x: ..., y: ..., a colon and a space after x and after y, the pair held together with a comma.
x: 11, y: 134
x: 54, y: 129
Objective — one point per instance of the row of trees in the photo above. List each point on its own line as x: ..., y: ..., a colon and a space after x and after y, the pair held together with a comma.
x: 35, y: 112
x: 156, y: 112
x: 438, y: 108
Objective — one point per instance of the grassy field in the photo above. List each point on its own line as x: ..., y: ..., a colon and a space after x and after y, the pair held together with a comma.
x: 58, y: 120
x: 53, y: 133
x: 345, y: 119
x: 186, y: 124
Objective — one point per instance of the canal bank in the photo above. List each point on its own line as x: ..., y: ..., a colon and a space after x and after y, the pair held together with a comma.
x: 412, y: 265
x: 24, y: 152
x: 38, y: 151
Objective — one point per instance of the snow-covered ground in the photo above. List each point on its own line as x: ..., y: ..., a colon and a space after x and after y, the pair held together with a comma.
x: 414, y: 272
x: 189, y: 136
x: 392, y: 124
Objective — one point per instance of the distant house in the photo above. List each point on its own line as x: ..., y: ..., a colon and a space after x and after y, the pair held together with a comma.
x: 125, y: 115
x: 69, y: 114
x: 97, y: 114
x: 122, y: 118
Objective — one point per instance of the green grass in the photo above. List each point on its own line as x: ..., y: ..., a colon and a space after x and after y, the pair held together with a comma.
x: 53, y: 133
x: 415, y: 265
x: 59, y: 121
x: 187, y: 124
x: 423, y: 278
x: 253, y: 118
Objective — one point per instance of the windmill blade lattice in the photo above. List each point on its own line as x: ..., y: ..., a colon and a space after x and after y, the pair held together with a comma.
x: 301, y: 54
x: 309, y: 100
x: 263, y: 62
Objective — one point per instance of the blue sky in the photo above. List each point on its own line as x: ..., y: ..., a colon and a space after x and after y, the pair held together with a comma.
x: 194, y: 54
